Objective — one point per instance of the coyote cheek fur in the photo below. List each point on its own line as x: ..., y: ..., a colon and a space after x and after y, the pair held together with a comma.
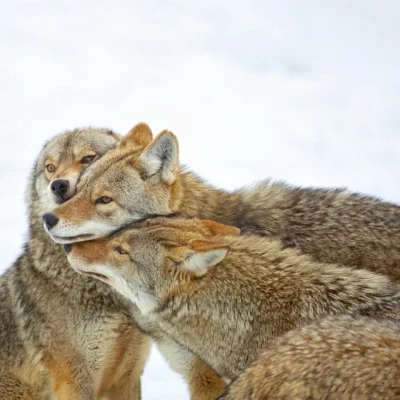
x: 223, y: 296
x: 62, y: 335
x: 143, y: 177
x: 336, y: 358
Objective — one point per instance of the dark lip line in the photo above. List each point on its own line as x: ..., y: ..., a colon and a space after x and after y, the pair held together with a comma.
x: 95, y: 275
x: 83, y: 236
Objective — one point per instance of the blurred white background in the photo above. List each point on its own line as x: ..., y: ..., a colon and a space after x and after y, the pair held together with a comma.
x: 306, y: 92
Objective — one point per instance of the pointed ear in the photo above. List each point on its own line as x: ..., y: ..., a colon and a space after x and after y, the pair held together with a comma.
x: 203, y: 256
x: 139, y: 136
x: 161, y: 156
x: 215, y: 228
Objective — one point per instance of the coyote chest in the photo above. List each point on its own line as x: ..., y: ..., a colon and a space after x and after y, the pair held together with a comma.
x: 109, y: 350
x: 80, y: 339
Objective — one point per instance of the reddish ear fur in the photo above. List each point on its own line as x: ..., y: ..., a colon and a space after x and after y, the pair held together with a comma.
x: 216, y: 228
x: 202, y: 246
x: 139, y: 136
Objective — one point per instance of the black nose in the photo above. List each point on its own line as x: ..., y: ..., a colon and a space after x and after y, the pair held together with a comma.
x: 67, y: 248
x: 50, y: 220
x: 59, y: 187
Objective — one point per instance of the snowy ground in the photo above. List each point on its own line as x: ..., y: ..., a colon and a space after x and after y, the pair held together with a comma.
x: 306, y: 92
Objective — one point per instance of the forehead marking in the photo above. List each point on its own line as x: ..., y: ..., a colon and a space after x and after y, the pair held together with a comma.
x: 109, y: 163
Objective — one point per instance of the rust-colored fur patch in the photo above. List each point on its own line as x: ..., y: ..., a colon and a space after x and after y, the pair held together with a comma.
x: 61, y: 369
x: 76, y: 214
x: 220, y: 229
x: 201, y: 245
x: 71, y: 169
x: 122, y: 362
x: 139, y: 136
x: 93, y: 252
x: 205, y: 384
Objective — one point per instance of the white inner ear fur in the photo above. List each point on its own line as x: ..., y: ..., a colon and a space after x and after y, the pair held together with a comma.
x: 201, y: 262
x: 161, y: 157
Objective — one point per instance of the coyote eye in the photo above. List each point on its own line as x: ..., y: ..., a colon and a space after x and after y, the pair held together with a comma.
x: 104, y: 200
x: 120, y: 250
x: 50, y: 168
x: 87, y: 159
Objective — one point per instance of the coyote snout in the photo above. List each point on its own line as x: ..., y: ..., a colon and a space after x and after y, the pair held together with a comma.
x: 63, y: 175
x: 60, y: 189
x: 50, y: 221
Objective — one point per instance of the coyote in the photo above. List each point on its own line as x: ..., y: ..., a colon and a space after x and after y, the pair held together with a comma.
x: 62, y: 335
x: 223, y: 296
x: 334, y: 358
x: 142, y: 177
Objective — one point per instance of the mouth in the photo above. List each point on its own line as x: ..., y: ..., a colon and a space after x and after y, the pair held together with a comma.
x: 71, y: 239
x: 96, y: 275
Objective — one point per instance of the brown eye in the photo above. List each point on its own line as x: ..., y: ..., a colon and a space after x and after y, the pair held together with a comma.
x: 50, y: 168
x: 87, y: 159
x: 120, y: 250
x: 104, y: 200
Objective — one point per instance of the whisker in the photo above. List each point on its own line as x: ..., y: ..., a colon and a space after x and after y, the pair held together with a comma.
x: 40, y: 197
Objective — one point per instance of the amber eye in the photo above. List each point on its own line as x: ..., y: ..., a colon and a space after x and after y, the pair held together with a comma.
x: 120, y: 250
x: 104, y: 200
x: 50, y: 168
x: 87, y: 159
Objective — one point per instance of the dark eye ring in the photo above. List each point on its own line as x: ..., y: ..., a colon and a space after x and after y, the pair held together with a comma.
x: 104, y: 200
x: 50, y: 168
x: 120, y: 250
x: 87, y: 159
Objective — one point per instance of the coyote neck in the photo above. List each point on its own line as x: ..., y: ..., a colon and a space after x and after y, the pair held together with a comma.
x: 261, y: 209
x: 199, y: 199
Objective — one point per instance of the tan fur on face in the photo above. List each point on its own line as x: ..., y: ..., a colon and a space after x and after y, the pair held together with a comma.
x: 336, y: 358
x: 73, y: 170
x: 73, y: 214
x: 94, y: 252
x: 227, y: 311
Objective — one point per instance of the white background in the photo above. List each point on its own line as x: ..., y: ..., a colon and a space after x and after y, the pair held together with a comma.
x: 302, y: 91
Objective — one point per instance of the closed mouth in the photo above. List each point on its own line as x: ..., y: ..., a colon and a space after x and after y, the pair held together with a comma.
x: 72, y: 239
x: 96, y: 275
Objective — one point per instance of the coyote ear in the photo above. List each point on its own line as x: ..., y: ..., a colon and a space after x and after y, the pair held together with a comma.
x: 139, y: 136
x: 161, y: 157
x: 203, y: 256
x: 215, y: 228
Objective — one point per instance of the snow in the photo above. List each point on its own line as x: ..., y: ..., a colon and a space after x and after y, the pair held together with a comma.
x: 305, y: 92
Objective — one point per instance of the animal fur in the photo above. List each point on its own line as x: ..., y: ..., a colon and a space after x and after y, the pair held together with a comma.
x: 62, y: 335
x: 142, y: 177
x: 335, y: 358
x: 223, y: 296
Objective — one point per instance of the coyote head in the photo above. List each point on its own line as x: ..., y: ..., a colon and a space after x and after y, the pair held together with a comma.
x: 61, y: 163
x: 135, y: 180
x: 146, y: 261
